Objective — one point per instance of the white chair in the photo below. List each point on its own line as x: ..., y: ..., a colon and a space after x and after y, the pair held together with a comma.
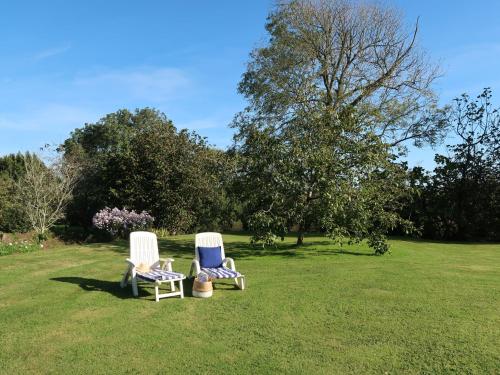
x: 145, y: 264
x: 214, y: 240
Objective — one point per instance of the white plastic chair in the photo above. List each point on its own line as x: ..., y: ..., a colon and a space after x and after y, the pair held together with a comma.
x: 144, y: 251
x: 212, y: 239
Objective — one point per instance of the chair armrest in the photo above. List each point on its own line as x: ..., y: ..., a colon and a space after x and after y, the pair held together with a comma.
x: 131, y: 267
x: 195, y: 266
x: 231, y: 263
x: 167, y: 262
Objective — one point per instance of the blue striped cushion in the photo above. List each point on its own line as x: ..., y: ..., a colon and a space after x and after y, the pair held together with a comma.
x: 161, y: 275
x: 221, y: 273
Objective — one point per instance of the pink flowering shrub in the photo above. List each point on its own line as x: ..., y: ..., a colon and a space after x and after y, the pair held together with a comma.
x: 119, y: 223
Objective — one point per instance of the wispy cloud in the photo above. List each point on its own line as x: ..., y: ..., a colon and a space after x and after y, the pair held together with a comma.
x: 149, y: 84
x: 472, y: 54
x: 52, y: 106
x: 50, y: 52
x: 56, y: 105
x: 49, y: 118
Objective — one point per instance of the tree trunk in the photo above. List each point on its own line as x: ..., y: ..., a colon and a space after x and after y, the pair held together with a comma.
x: 300, y: 239
x: 300, y: 235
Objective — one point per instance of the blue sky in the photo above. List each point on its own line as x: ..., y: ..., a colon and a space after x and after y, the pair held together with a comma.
x: 65, y: 63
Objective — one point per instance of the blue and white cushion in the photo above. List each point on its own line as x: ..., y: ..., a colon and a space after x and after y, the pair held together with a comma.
x: 221, y: 273
x: 159, y: 274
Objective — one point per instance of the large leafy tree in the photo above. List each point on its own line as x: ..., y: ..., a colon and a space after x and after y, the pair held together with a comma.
x: 140, y: 161
x: 340, y: 179
x: 336, y: 90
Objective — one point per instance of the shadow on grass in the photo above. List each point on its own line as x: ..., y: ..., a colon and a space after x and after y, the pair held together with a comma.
x: 111, y: 287
x: 217, y: 285
x: 442, y: 242
x: 94, y: 285
x: 183, y: 248
x: 114, y: 288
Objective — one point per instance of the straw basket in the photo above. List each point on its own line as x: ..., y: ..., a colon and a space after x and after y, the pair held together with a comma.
x: 202, y: 289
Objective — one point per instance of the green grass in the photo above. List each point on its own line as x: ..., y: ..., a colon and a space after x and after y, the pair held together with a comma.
x: 425, y: 308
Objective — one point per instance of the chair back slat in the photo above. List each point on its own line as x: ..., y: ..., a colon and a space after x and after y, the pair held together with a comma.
x: 144, y: 248
x: 208, y: 239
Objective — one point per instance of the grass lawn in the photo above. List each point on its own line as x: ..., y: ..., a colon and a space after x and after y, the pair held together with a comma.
x: 425, y: 308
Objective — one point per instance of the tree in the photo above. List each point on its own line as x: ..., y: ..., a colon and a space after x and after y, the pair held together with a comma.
x: 336, y: 89
x: 140, y: 161
x: 461, y: 199
x: 338, y: 179
x: 12, y: 216
x: 328, y: 55
x: 12, y: 166
x: 45, y: 190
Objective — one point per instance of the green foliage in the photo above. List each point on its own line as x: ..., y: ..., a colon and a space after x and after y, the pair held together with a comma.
x: 7, y: 248
x: 264, y: 228
x: 140, y: 161
x: 315, y: 144
x: 460, y: 200
x: 12, y: 217
x: 12, y: 166
x: 321, y: 173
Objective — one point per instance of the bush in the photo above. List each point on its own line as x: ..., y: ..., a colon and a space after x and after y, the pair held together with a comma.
x: 12, y: 216
x: 181, y: 183
x: 119, y: 223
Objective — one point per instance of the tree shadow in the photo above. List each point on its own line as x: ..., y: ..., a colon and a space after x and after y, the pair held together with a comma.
x: 289, y: 250
x: 225, y: 285
x: 183, y: 248
x: 347, y: 252
x: 443, y: 242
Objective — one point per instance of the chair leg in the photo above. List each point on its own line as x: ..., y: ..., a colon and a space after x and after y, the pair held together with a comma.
x: 157, y: 293
x: 181, y: 288
x: 135, y: 291
x: 240, y: 282
x: 124, y: 281
x: 172, y: 286
x: 192, y: 271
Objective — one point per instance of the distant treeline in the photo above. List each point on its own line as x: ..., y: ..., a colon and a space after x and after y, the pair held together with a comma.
x: 141, y: 161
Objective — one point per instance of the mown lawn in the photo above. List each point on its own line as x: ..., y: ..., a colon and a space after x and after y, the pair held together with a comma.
x: 425, y: 308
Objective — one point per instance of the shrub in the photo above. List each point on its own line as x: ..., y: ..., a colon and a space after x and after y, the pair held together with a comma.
x: 12, y: 216
x: 119, y: 223
x: 183, y: 172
